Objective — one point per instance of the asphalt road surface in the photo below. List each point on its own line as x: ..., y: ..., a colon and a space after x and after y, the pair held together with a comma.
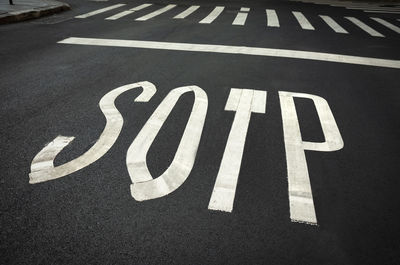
x: 206, y: 132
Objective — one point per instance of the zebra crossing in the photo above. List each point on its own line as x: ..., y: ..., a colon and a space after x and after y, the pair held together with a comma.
x: 392, y: 8
x: 272, y: 18
x: 127, y: 12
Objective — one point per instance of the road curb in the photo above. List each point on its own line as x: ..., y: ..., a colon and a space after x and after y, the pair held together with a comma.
x: 23, y: 15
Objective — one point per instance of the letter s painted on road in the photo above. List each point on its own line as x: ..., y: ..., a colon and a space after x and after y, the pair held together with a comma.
x: 42, y: 167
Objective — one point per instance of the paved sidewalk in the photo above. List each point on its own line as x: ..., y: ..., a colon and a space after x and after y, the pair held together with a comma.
x: 28, y: 9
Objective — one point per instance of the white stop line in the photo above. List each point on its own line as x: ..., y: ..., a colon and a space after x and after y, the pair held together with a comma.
x: 242, y: 101
x: 193, y: 47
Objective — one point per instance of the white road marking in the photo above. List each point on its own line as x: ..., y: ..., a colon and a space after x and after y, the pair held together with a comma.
x: 304, y: 23
x: 387, y: 24
x: 213, y: 15
x: 99, y: 11
x: 241, y: 17
x: 119, y: 15
x: 187, y: 12
x: 244, y: 102
x: 156, y: 13
x: 144, y: 187
x: 42, y: 168
x: 365, y: 27
x: 272, y: 18
x: 140, y: 7
x: 241, y: 50
x: 300, y: 194
x: 332, y: 23
x: 128, y: 12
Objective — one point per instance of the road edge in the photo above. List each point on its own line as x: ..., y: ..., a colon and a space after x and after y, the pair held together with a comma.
x: 23, y: 15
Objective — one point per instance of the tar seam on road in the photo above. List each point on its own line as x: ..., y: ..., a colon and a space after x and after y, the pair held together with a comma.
x: 306, y: 55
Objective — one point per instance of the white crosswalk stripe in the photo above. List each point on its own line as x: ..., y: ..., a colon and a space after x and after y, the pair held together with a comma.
x: 364, y: 27
x: 128, y: 12
x: 303, y: 21
x: 387, y: 24
x: 99, y: 11
x: 143, y: 6
x: 187, y: 12
x: 213, y: 15
x: 241, y: 17
x: 332, y: 23
x: 119, y: 15
x: 156, y: 13
x: 272, y: 18
x: 366, y: 7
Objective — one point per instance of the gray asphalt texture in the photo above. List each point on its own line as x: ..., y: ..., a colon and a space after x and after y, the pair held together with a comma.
x: 89, y: 217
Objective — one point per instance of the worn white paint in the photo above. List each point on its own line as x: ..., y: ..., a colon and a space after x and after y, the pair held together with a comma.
x: 119, y: 15
x: 243, y: 102
x: 300, y: 194
x: 387, y: 24
x: 272, y: 18
x: 42, y: 168
x: 242, y: 50
x: 333, y: 24
x: 140, y: 7
x: 99, y: 11
x: 365, y: 27
x: 241, y: 17
x: 156, y: 13
x: 128, y: 12
x: 144, y: 187
x: 186, y: 12
x: 213, y: 15
x: 303, y: 21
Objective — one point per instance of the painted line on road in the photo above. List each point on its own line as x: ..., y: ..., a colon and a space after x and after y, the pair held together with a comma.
x: 242, y: 50
x: 187, y: 12
x: 272, y: 18
x: 332, y: 23
x: 156, y: 13
x: 144, y: 187
x: 365, y: 27
x: 138, y: 8
x: 241, y: 17
x: 387, y: 24
x: 213, y: 15
x: 301, y: 200
x: 303, y: 21
x: 42, y: 166
x: 119, y: 15
x: 128, y: 12
x: 243, y: 102
x: 102, y: 10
